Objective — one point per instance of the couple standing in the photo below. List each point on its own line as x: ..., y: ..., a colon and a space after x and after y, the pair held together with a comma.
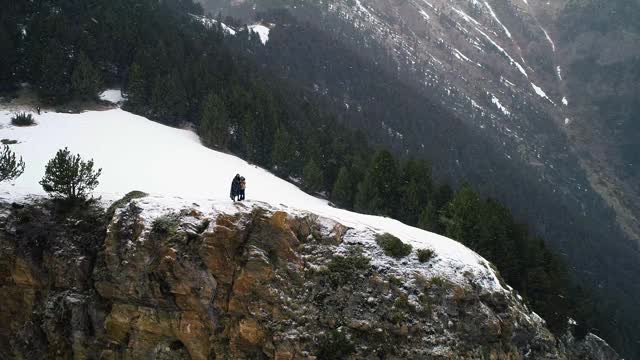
x: 237, y: 188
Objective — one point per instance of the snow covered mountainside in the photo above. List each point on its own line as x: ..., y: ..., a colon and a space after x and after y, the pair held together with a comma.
x: 184, y: 272
x: 139, y: 154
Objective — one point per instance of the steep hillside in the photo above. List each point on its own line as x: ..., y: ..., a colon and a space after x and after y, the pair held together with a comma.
x: 542, y: 118
x: 185, y: 273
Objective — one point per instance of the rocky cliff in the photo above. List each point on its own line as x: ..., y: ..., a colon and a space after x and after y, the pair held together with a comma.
x: 143, y: 280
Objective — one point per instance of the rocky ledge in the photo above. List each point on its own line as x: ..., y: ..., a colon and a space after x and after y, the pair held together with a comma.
x: 143, y: 281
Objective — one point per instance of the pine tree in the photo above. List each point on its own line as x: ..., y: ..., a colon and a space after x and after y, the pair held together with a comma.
x: 412, y: 203
x: 312, y: 177
x: 284, y: 152
x: 10, y: 167
x: 428, y: 219
x: 86, y: 80
x: 364, y: 201
x: 69, y: 177
x: 416, y: 190
x: 137, y: 93
x: 9, y: 40
x: 342, y: 193
x: 169, y: 99
x: 383, y: 176
x: 214, y: 124
x: 54, y: 84
x: 249, y: 137
x: 461, y: 217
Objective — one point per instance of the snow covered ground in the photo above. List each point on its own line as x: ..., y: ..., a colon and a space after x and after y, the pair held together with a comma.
x: 262, y: 31
x: 177, y: 171
x: 113, y: 96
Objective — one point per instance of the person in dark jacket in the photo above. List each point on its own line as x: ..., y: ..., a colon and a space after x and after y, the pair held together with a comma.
x: 235, y: 187
x: 243, y: 185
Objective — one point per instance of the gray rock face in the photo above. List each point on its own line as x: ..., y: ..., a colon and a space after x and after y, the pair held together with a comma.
x: 254, y: 284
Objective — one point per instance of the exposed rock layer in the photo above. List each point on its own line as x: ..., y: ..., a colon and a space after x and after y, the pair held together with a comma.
x: 255, y: 284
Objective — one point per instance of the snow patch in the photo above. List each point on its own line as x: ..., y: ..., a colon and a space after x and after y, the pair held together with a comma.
x: 553, y: 45
x: 495, y: 17
x: 505, y: 53
x: 363, y: 9
x: 567, y: 121
x: 424, y: 15
x: 559, y: 72
x: 539, y: 91
x: 497, y: 103
x: 565, y: 102
x: 113, y: 96
x: 262, y: 31
x: 466, y: 17
x: 507, y: 82
x: 209, y: 23
x: 460, y: 55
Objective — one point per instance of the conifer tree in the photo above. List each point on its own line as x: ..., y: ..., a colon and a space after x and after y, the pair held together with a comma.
x: 54, y: 82
x: 364, y: 201
x: 461, y: 216
x: 312, y: 177
x: 249, y: 137
x: 342, y: 193
x: 137, y: 94
x: 86, y: 80
x: 428, y: 219
x: 10, y: 167
x: 10, y: 58
x: 284, y: 152
x: 383, y: 176
x: 169, y: 99
x: 69, y: 177
x: 214, y: 124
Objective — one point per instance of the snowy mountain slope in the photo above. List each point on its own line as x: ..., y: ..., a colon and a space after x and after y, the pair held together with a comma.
x: 172, y: 165
x: 509, y: 70
x: 452, y: 305
x: 501, y: 66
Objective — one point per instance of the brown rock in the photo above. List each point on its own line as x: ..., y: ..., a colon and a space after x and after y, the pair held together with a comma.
x: 251, y: 332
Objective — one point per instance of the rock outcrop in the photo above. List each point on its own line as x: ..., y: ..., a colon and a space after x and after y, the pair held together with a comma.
x: 250, y: 284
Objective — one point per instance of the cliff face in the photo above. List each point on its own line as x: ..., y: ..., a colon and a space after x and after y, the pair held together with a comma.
x: 252, y: 283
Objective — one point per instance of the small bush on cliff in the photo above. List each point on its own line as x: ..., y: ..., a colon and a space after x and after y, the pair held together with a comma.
x: 335, y: 346
x: 393, y: 246
x: 344, y: 269
x: 10, y: 167
x: 69, y: 177
x: 22, y: 119
x: 425, y: 255
x: 166, y: 224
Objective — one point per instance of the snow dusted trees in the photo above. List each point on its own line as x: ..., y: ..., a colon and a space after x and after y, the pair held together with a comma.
x: 10, y: 166
x: 69, y: 177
